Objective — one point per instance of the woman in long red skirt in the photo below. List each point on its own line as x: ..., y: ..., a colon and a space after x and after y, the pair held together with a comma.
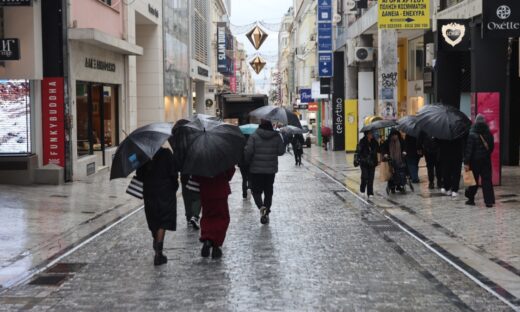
x: 214, y: 223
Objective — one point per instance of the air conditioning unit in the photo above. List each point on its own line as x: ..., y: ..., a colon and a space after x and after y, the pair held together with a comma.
x: 364, y: 54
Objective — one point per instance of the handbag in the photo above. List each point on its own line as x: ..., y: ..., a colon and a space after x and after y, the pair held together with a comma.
x: 469, y: 178
x: 135, y: 188
x: 385, y: 172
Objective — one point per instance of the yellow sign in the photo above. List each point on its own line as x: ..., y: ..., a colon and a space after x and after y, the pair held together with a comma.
x: 403, y: 14
x: 351, y: 125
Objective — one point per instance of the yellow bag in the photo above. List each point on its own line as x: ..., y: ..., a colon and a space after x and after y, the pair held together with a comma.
x: 385, y: 172
x: 469, y: 178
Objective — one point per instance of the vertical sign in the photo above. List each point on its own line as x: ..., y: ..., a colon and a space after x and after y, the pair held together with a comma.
x: 324, y: 28
x: 233, y: 78
x: 338, y: 105
x: 351, y: 125
x: 53, y: 125
x: 221, y: 48
x: 488, y: 104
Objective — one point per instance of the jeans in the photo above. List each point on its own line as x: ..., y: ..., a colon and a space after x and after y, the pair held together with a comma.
x: 191, y: 203
x: 262, y: 183
x: 413, y: 168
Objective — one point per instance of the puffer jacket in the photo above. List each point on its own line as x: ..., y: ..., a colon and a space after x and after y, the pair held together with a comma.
x: 475, y: 149
x: 262, y: 150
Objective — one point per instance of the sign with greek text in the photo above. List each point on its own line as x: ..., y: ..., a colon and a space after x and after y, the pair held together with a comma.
x: 53, y: 123
x: 404, y: 14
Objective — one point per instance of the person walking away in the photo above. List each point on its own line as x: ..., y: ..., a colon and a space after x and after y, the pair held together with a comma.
x: 214, y: 192
x: 412, y: 157
x: 451, y: 155
x: 297, y: 146
x: 159, y: 177
x: 477, y: 157
x: 430, y: 149
x: 261, y: 153
x: 191, y: 198
x: 366, y: 155
x: 393, y: 149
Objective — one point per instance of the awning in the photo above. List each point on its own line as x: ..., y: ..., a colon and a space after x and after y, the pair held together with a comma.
x: 103, y: 40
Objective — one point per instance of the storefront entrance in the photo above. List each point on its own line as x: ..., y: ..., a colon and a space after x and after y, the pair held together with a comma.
x: 97, y: 122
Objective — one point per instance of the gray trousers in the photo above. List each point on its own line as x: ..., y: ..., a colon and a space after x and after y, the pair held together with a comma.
x: 191, y: 203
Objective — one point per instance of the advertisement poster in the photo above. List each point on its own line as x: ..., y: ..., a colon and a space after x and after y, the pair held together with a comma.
x: 15, y: 115
x: 53, y: 125
x: 488, y: 104
x: 351, y: 125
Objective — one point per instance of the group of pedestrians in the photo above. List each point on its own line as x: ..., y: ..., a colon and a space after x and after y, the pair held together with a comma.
x: 444, y: 159
x: 206, y: 198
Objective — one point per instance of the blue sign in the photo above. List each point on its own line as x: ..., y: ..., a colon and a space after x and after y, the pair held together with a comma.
x: 306, y: 96
x: 325, y: 64
x: 324, y: 14
x: 324, y: 37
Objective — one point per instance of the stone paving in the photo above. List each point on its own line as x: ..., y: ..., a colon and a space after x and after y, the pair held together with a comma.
x: 323, y: 250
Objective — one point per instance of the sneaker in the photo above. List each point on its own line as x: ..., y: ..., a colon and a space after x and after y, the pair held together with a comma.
x: 194, y: 221
x: 205, y: 248
x: 431, y: 186
x: 443, y: 190
x: 263, y: 215
x: 470, y: 202
x: 188, y: 224
x: 454, y: 194
x: 216, y: 253
x: 159, y: 259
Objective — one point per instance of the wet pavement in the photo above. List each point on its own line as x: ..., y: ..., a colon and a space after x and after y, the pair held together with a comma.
x: 41, y: 222
x: 324, y: 249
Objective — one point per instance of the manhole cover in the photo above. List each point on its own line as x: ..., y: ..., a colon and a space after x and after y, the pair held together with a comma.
x: 49, y: 280
x: 64, y: 267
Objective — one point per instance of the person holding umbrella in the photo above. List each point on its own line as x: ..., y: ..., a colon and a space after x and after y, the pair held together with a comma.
x: 413, y: 155
x: 261, y: 153
x: 393, y: 150
x: 477, y: 157
x: 159, y: 177
x: 430, y: 149
x: 366, y: 157
x: 451, y: 156
x: 297, y: 142
x: 326, y: 132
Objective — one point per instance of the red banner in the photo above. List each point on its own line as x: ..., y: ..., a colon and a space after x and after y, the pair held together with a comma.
x: 233, y: 78
x: 313, y: 107
x: 53, y: 121
x: 488, y: 105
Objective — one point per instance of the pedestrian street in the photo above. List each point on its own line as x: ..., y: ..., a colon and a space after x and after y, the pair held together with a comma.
x: 323, y: 249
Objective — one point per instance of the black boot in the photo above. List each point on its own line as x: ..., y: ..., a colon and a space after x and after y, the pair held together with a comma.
x: 216, y: 253
x: 159, y: 257
x: 206, y: 246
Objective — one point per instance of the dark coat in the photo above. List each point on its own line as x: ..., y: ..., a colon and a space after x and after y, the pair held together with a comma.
x: 428, y: 144
x: 475, y: 150
x: 411, y: 147
x: 262, y: 151
x: 160, y: 184
x: 366, y: 152
x: 451, y: 150
x: 297, y: 141
x: 215, y: 187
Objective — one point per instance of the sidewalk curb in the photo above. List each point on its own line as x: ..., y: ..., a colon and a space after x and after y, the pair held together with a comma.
x: 495, y: 271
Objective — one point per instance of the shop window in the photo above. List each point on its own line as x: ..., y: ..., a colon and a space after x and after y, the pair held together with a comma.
x: 416, y: 59
x: 15, y: 117
x: 96, y: 114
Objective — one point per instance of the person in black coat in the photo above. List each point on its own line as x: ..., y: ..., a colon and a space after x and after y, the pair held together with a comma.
x: 394, y: 149
x: 451, y: 155
x: 159, y: 177
x: 412, y: 157
x: 366, y: 156
x: 297, y: 142
x: 429, y: 147
x: 477, y: 157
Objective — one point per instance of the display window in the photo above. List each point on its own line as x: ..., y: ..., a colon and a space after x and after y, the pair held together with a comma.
x: 15, y: 117
x: 96, y: 115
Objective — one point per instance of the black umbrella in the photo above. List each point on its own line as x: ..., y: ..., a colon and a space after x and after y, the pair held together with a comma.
x: 293, y: 130
x: 139, y: 147
x: 443, y: 122
x: 408, y: 124
x: 379, y: 124
x: 277, y: 114
x: 206, y: 147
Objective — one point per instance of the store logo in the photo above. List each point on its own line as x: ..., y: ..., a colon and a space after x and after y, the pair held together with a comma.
x: 503, y: 12
x: 453, y: 33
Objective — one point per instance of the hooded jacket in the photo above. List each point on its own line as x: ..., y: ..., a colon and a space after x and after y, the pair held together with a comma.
x: 475, y: 148
x: 262, y: 151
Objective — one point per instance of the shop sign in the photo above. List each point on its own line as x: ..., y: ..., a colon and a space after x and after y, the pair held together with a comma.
x: 303, y: 106
x: 153, y: 10
x: 325, y: 37
x: 488, y: 105
x: 306, y: 96
x: 221, y: 48
x: 316, y: 89
x: 325, y: 11
x: 15, y: 2
x: 454, y: 35
x: 325, y: 86
x: 53, y: 121
x: 501, y: 18
x: 313, y: 107
x: 338, y: 106
x: 202, y: 71
x: 325, y: 64
x: 403, y: 14
x: 99, y: 65
x: 9, y: 49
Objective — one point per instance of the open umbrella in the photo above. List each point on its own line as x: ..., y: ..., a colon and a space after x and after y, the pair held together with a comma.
x: 292, y: 130
x: 248, y: 129
x: 379, y: 124
x: 277, y: 114
x: 443, y: 122
x: 207, y: 147
x: 139, y: 147
x: 408, y: 124
x: 326, y: 131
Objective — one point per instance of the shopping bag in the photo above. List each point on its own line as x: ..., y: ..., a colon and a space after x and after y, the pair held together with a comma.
x: 135, y: 188
x: 385, y: 172
x: 469, y: 178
